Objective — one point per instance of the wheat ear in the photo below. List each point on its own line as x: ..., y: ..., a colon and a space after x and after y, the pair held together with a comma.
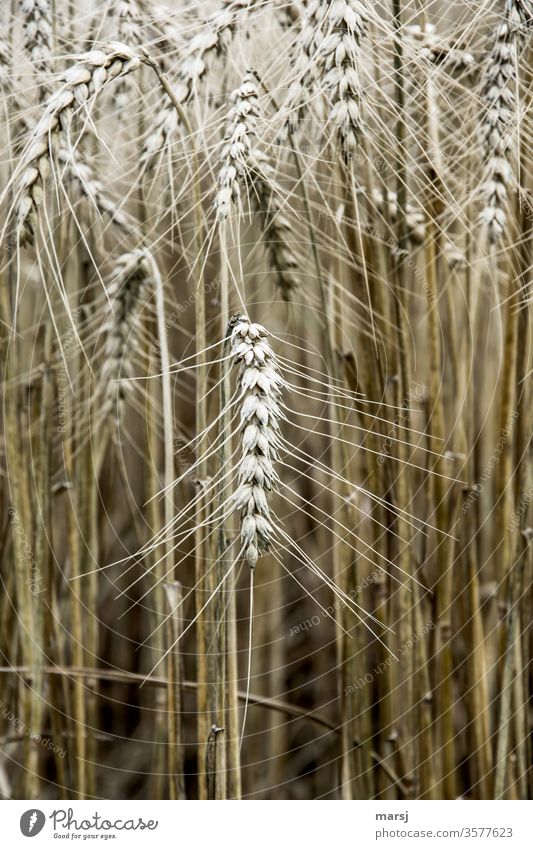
x: 238, y: 139
x: 81, y: 82
x: 338, y: 56
x: 198, y: 54
x: 261, y: 385
x: 127, y: 291
x: 499, y: 96
x: 37, y: 30
x: 81, y: 173
x: 328, y: 53
x: 243, y: 161
x: 129, y: 21
x: 5, y: 53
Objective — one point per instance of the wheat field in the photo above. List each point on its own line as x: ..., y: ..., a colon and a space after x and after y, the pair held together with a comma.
x: 265, y: 345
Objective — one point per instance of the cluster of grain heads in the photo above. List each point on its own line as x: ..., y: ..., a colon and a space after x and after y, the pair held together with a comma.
x: 127, y: 295
x: 80, y: 83
x: 37, y: 28
x: 499, y: 119
x: 260, y: 385
x: 198, y: 55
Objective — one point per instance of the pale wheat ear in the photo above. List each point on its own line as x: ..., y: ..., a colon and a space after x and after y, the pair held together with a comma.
x: 245, y: 165
x: 327, y: 58
x: 127, y: 293
x: 500, y: 120
x: 261, y: 384
x: 81, y: 83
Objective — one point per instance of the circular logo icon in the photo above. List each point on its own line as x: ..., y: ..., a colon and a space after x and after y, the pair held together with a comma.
x: 32, y: 822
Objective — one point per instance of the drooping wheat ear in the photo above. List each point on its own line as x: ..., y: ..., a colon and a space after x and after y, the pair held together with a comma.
x: 239, y: 136
x: 127, y: 290
x: 243, y: 162
x: 81, y: 173
x: 213, y: 40
x: 83, y: 81
x: 499, y: 120
x: 37, y: 29
x: 261, y: 385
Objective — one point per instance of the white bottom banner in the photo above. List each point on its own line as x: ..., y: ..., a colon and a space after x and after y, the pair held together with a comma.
x: 268, y: 825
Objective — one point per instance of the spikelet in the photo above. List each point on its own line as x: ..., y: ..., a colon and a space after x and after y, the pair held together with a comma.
x: 261, y: 384
x: 81, y: 82
x: 387, y: 204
